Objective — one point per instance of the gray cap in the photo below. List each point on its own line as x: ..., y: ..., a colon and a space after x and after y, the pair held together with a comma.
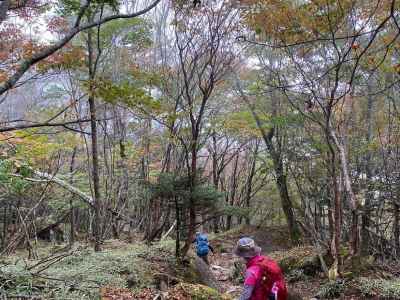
x: 247, y: 248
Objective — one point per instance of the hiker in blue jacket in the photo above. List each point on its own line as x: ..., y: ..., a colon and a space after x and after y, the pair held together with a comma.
x: 203, y: 246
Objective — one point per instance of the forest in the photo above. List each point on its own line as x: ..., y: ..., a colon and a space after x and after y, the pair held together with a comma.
x: 128, y: 126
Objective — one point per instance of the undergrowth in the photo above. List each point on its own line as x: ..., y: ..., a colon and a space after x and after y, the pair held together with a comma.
x: 384, y: 288
x: 81, y: 274
x: 331, y: 289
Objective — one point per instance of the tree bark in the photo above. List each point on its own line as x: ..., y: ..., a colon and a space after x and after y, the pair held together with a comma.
x: 215, y: 174
x: 249, y: 188
x: 354, y: 239
x: 178, y: 229
x: 192, y: 203
x: 95, y: 155
x: 233, y: 192
x: 365, y: 236
x: 71, y: 206
x: 95, y: 175
x: 396, y: 227
x: 5, y: 226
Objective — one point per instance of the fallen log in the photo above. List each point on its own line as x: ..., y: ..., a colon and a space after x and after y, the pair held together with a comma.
x: 49, y: 178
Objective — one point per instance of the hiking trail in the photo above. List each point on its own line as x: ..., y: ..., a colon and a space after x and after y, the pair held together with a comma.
x: 224, y: 264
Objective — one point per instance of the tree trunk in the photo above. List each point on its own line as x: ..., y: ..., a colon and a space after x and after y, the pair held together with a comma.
x: 95, y: 155
x: 287, y: 205
x: 192, y: 204
x: 396, y: 227
x: 335, y: 215
x: 354, y: 239
x: 215, y: 173
x: 250, y: 182
x: 280, y: 176
x: 71, y: 204
x: 95, y: 175
x: 365, y: 237
x: 178, y: 229
x: 5, y: 226
x: 233, y: 192
x: 337, y: 218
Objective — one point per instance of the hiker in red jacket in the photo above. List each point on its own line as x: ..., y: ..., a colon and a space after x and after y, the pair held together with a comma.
x: 264, y: 278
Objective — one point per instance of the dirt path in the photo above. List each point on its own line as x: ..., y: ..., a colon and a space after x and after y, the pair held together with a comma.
x: 222, y: 268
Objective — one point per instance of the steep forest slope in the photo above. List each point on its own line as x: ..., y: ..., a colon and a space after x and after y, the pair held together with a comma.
x: 138, y: 271
x: 126, y: 126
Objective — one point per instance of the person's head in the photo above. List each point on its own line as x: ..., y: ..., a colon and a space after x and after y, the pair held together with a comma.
x: 246, y: 248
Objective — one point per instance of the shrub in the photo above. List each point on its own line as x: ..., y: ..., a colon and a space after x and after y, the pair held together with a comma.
x: 296, y: 275
x: 331, y: 289
x: 237, y: 273
x: 383, y: 288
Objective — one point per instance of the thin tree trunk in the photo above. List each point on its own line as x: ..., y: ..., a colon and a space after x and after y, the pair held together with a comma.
x: 192, y: 209
x: 71, y: 204
x: 95, y: 174
x: 215, y: 174
x: 192, y: 203
x: 334, y: 213
x: 338, y: 216
x: 396, y: 227
x: 123, y: 190
x: 287, y: 205
x: 365, y: 237
x: 349, y: 190
x: 250, y: 181
x: 95, y: 156
x: 233, y: 192
x: 5, y: 226
x: 178, y: 229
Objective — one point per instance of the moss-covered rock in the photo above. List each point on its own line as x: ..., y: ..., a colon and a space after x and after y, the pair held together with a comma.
x: 186, y: 271
x: 194, y: 270
x: 299, y: 258
x: 197, y: 292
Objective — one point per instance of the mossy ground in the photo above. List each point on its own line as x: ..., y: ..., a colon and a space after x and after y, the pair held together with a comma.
x: 130, y: 271
x: 82, y: 272
x: 198, y: 292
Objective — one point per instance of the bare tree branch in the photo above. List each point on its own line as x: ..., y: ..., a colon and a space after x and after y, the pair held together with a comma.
x: 45, y: 124
x: 26, y: 64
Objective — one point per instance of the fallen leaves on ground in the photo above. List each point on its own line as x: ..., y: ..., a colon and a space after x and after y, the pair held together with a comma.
x: 181, y: 291
x: 112, y: 293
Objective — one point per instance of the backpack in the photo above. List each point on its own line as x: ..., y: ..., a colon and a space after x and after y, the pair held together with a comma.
x: 202, y: 245
x: 272, y: 282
